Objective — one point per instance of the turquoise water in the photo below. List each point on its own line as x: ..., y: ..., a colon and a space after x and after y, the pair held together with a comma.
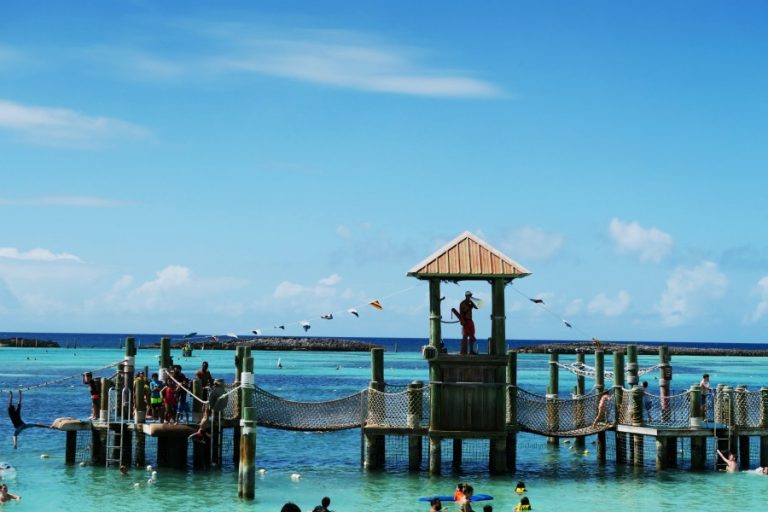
x: 329, y: 464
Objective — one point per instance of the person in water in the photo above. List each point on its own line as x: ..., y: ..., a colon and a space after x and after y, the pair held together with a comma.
x: 435, y: 505
x: 14, y: 413
x: 467, y: 505
x: 6, y: 496
x: 731, y: 465
x: 458, y: 494
x: 525, y: 504
x: 467, y: 324
x: 520, y: 488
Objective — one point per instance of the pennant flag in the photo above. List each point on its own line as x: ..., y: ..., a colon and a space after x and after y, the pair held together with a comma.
x: 567, y: 324
x: 537, y: 301
x: 327, y: 316
x: 190, y: 335
x: 305, y: 325
x: 353, y: 311
x: 279, y: 327
x: 376, y: 305
x: 232, y: 335
x: 257, y: 332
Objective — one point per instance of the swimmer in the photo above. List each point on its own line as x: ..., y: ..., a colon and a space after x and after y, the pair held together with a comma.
x: 124, y: 470
x: 14, y: 412
x: 6, y: 496
x: 520, y: 488
x: 525, y: 504
x: 467, y: 505
x: 435, y: 505
x: 458, y: 494
x: 730, y: 462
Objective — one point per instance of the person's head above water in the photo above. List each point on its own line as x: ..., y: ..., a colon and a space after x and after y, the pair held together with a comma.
x: 468, y: 294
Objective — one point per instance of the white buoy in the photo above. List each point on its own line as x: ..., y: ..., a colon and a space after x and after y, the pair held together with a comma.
x: 262, y: 471
x: 149, y: 467
x: 295, y: 477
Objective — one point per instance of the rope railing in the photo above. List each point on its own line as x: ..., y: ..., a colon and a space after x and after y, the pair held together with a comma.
x: 558, y: 417
x: 584, y: 370
x: 60, y: 379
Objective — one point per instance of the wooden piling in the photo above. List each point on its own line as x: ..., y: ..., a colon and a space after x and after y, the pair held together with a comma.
x: 741, y: 421
x: 106, y: 385
x: 374, y: 443
x: 498, y: 318
x: 165, y: 357
x: 241, y: 353
x: 457, y: 449
x: 140, y: 400
x: 413, y: 420
x: 247, y: 462
x: 599, y: 388
x: 435, y: 335
x: 665, y: 382
x: 578, y: 412
x: 512, y: 411
x: 618, y: 395
x: 70, y: 450
x: 763, y: 424
x: 553, y: 414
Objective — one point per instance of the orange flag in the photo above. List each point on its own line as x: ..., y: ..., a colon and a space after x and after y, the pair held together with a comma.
x: 376, y: 304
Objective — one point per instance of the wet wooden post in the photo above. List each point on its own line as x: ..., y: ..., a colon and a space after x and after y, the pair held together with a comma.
x: 553, y: 415
x: 457, y: 453
x: 741, y: 421
x: 435, y: 335
x: 618, y: 398
x: 599, y: 388
x: 374, y: 443
x: 140, y: 399
x: 497, y: 446
x: 764, y: 425
x: 165, y: 357
x: 633, y: 380
x: 636, y: 415
x: 698, y: 443
x: 435, y: 376
x: 247, y: 460
x: 128, y: 400
x: 413, y: 420
x: 106, y: 385
x: 241, y: 353
x: 578, y: 408
x: 70, y: 449
x: 512, y: 411
x: 665, y: 382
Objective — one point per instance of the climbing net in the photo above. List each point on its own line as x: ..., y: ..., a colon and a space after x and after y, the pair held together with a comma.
x: 558, y: 417
x: 406, y: 409
x: 340, y: 414
x: 583, y: 370
x: 670, y: 412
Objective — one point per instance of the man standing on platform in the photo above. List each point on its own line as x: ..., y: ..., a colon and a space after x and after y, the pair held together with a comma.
x: 467, y: 325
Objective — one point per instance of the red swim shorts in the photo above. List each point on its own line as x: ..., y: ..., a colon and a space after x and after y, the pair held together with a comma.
x: 469, y: 328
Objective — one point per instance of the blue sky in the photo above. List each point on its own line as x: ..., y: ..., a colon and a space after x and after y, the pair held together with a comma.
x: 191, y: 166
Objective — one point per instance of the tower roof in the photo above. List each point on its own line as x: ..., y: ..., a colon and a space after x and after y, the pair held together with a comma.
x: 467, y: 257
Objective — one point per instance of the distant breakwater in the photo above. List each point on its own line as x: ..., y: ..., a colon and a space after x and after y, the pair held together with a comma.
x: 27, y: 343
x: 278, y: 343
x: 572, y: 348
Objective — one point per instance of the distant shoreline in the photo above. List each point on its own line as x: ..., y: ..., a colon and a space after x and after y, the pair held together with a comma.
x: 278, y: 343
x: 28, y: 343
x: 573, y: 348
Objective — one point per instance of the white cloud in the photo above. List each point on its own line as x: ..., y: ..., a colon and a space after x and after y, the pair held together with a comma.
x: 72, y: 201
x: 528, y: 243
x: 574, y: 307
x: 343, y: 231
x: 762, y: 307
x: 601, y: 304
x: 651, y: 244
x: 331, y: 280
x: 36, y: 255
x: 61, y: 126
x: 689, y: 291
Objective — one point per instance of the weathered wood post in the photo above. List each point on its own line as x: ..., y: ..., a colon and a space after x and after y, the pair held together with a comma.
x: 635, y: 405
x: 497, y: 346
x: 498, y: 319
x: 435, y: 376
x: 553, y: 414
x: 579, y: 420
x: 665, y: 382
x: 741, y: 421
x: 599, y: 388
x: 374, y: 443
x: 128, y: 400
x: 165, y: 357
x: 106, y: 385
x: 618, y: 398
x: 698, y: 443
x: 70, y: 448
x: 241, y: 353
x: 511, y: 411
x: 413, y: 420
x: 247, y: 460
x: 764, y: 425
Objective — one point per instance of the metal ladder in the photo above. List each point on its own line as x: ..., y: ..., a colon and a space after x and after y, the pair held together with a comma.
x: 115, y: 418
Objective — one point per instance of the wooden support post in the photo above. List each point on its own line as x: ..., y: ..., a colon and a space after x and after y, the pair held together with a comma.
x: 662, y: 453
x: 511, y: 411
x: 632, y: 368
x: 671, y: 452
x: 140, y: 400
x: 98, y: 446
x: 618, y: 395
x: 140, y: 448
x: 698, y: 453
x: 497, y: 456
x: 498, y: 319
x: 241, y: 353
x: 165, y: 357
x: 70, y: 452
x: 247, y: 460
x: 435, y: 455
x: 375, y: 449
x: 413, y: 420
x: 665, y: 382
x: 579, y: 418
x: 106, y: 385
x: 435, y: 336
x: 126, y: 443
x: 197, y: 406
x: 599, y: 388
x: 128, y: 374
x: 694, y: 405
x: 763, y: 424
x: 740, y: 399
x: 553, y: 415
x: 457, y: 445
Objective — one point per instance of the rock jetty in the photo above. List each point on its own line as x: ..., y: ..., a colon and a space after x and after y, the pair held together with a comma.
x: 27, y: 343
x: 278, y: 343
x: 610, y: 347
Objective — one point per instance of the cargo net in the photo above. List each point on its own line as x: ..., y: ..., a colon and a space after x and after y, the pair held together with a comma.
x: 670, y: 412
x: 559, y: 417
x: 275, y: 412
x: 405, y: 409
x: 582, y: 370
x: 740, y: 408
x: 84, y: 451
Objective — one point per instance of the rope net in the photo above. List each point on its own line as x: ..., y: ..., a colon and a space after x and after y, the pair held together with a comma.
x: 670, y: 412
x: 275, y: 412
x: 558, y: 417
x: 404, y: 409
x: 584, y: 370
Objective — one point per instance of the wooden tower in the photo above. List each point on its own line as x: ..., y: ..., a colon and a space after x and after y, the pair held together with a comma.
x: 468, y: 392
